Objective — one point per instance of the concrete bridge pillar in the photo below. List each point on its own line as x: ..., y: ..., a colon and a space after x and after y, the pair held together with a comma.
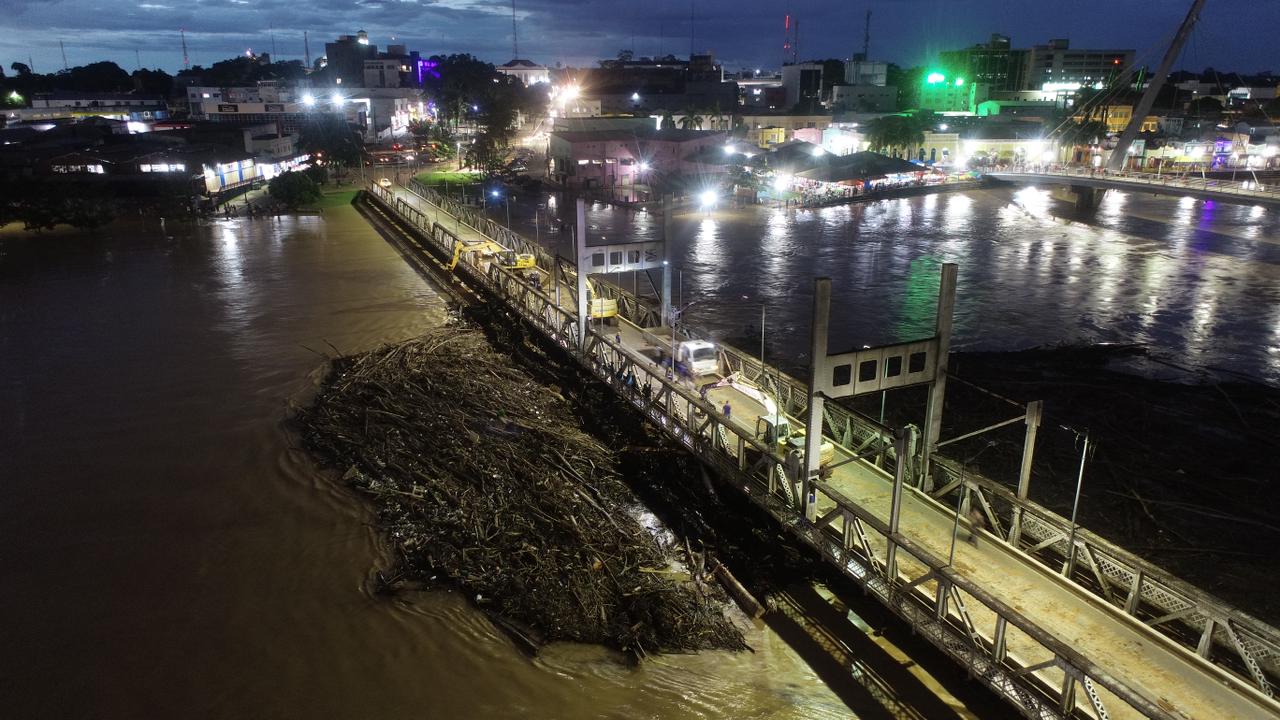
x: 1082, y: 196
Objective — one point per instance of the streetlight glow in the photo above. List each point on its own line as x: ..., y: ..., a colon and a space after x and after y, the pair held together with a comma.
x: 635, y: 97
x: 708, y: 198
x: 309, y: 100
x: 781, y: 183
x: 644, y: 166
x: 336, y: 98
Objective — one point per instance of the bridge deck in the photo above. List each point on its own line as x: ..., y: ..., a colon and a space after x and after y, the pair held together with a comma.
x: 1234, y: 191
x: 1169, y: 676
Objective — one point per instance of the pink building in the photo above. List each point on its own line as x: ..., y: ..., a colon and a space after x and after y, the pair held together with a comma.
x: 809, y: 135
x: 629, y: 161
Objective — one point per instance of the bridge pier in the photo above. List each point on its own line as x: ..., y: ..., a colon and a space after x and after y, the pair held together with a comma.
x: 1083, y: 197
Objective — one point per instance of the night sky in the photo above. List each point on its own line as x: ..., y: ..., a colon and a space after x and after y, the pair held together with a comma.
x: 1232, y: 34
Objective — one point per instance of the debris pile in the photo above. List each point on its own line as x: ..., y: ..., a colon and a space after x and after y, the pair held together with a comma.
x: 484, y: 481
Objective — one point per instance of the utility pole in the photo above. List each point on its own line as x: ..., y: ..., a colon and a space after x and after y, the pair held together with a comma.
x: 1121, y: 152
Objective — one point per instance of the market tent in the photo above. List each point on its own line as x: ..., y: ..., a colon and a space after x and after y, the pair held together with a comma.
x: 859, y: 166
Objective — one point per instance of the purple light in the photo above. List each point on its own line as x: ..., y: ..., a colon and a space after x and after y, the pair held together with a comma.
x: 428, y: 67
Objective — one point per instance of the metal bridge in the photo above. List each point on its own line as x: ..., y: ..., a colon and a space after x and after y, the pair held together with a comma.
x: 1090, y: 184
x: 1049, y: 616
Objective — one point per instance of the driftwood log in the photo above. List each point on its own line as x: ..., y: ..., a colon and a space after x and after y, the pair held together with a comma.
x: 484, y: 480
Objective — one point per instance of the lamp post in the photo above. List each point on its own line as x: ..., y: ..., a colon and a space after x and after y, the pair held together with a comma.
x: 505, y: 201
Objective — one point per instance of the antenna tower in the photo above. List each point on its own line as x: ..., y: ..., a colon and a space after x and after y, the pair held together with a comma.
x: 64, y: 55
x: 795, y: 44
x: 186, y: 63
x: 691, y: 29
x: 786, y: 37
x: 866, y: 37
x: 515, y: 46
x: 306, y: 48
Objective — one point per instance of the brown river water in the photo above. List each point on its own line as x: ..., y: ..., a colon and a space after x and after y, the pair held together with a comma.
x: 169, y: 552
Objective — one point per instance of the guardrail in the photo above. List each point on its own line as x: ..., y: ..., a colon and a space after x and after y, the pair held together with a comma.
x: 1240, y: 188
x: 1179, y: 611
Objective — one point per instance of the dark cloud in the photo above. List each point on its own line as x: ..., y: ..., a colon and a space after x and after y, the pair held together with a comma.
x: 741, y: 32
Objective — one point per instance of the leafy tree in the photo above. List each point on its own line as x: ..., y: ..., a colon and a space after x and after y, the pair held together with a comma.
x: 88, y: 212
x: 293, y: 189
x: 691, y: 120
x: 20, y: 68
x: 485, y: 154
x: 1206, y: 107
x: 318, y: 173
x: 892, y: 133
x: 152, y: 82
x: 421, y: 129
x: 1089, y: 132
x: 95, y: 77
x: 330, y: 140
x: 668, y: 120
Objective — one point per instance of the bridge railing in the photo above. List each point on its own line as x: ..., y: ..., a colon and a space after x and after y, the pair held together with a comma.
x: 1016, y: 658
x: 1243, y: 188
x: 1178, y: 610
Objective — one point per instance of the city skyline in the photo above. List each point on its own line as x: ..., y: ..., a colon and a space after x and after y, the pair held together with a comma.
x: 579, y: 32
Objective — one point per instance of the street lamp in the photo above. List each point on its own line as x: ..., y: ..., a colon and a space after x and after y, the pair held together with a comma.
x: 505, y: 201
x: 336, y: 98
x: 309, y: 100
x: 708, y: 199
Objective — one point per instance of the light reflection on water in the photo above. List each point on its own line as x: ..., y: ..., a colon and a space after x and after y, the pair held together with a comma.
x: 1197, y: 282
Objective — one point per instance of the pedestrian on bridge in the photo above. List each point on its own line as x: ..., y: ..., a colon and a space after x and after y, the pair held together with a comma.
x: 976, y: 522
x: 728, y: 411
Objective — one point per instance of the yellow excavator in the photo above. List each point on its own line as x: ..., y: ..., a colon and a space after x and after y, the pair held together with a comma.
x: 488, y: 251
x: 483, y: 252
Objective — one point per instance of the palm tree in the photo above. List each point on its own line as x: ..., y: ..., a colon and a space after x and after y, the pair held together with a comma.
x: 668, y: 120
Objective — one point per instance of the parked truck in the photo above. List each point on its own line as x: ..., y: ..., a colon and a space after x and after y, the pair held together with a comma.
x: 692, y: 357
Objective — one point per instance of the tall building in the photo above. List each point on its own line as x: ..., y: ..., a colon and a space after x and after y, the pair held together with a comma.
x: 866, y: 72
x: 994, y: 63
x: 803, y: 83
x: 345, y: 57
x: 1052, y: 67
x: 1059, y: 67
x: 526, y: 71
x: 944, y: 93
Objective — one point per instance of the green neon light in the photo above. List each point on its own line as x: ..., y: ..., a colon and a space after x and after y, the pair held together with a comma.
x: 935, y: 77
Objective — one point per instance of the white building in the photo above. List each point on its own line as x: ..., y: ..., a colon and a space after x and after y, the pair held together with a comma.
x: 866, y: 72
x: 526, y: 71
x: 803, y: 81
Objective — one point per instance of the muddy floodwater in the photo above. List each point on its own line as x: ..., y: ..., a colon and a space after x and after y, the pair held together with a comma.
x: 168, y: 552
x: 1196, y: 282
